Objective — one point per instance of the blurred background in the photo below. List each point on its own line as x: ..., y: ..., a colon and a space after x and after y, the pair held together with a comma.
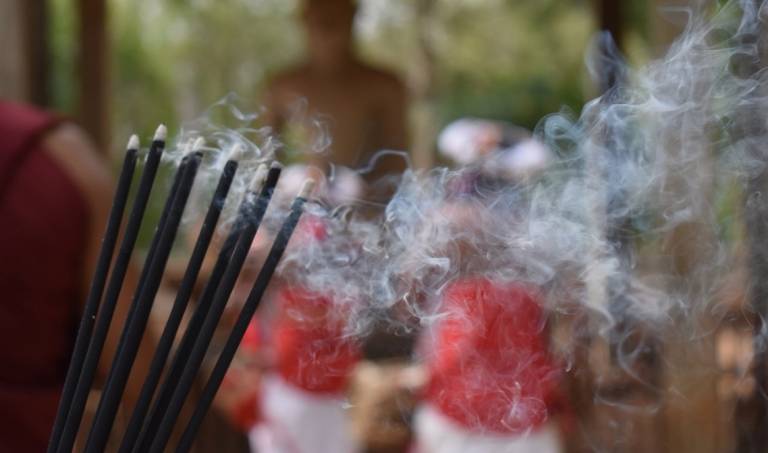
x: 122, y: 66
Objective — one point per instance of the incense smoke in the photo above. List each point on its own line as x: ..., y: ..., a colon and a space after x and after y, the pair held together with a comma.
x: 636, y: 167
x: 622, y: 233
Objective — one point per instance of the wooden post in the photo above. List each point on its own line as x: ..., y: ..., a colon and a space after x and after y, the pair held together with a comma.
x: 610, y: 18
x: 755, y: 439
x: 12, y: 80
x: 756, y: 218
x: 24, y: 59
x: 689, y: 420
x: 612, y: 369
x: 36, y: 51
x: 93, y: 67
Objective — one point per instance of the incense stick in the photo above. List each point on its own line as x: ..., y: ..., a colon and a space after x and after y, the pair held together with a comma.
x: 244, y: 319
x: 152, y: 250
x: 191, y: 333
x: 220, y: 299
x: 179, y: 305
x: 161, y: 222
x: 96, y: 290
x: 80, y: 396
x: 170, y: 196
x: 141, y: 308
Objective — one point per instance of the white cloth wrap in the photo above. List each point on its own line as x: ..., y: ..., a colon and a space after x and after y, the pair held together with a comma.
x: 297, y: 421
x: 436, y: 433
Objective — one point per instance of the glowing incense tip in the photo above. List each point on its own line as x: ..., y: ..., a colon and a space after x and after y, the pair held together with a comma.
x: 198, y: 144
x: 258, y: 179
x: 306, y: 188
x: 133, y: 142
x: 237, y: 152
x: 161, y: 133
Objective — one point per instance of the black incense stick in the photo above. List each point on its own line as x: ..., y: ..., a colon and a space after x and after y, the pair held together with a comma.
x: 80, y: 397
x: 91, y: 307
x: 156, y: 234
x: 243, y: 320
x: 197, y: 354
x: 130, y: 444
x: 142, y: 443
x: 142, y: 306
x: 179, y: 305
x: 155, y: 240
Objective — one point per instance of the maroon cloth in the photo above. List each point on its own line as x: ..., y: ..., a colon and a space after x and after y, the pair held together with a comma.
x: 42, y: 242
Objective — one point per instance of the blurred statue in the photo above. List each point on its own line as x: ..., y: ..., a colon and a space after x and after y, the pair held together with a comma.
x: 344, y: 110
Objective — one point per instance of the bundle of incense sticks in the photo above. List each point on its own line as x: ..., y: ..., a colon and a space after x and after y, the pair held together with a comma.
x: 149, y: 428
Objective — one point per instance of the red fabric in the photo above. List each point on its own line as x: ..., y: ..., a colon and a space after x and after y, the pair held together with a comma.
x: 311, y: 229
x: 247, y: 411
x: 42, y: 238
x: 306, y: 341
x: 252, y: 340
x: 490, y: 369
x: 310, y: 350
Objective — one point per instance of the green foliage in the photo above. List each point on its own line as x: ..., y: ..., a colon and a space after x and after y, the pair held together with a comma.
x: 143, y: 79
x: 171, y: 59
x: 508, y: 60
x: 62, y: 76
x: 226, y: 46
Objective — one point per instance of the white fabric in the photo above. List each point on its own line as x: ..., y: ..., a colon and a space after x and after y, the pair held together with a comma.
x: 524, y: 159
x: 436, y: 433
x: 296, y: 421
x: 459, y: 140
x: 341, y: 186
x: 469, y: 140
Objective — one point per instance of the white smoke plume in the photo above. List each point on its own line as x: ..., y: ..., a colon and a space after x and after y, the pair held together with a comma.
x: 622, y: 228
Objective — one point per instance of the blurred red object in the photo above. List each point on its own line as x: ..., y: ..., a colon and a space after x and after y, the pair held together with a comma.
x: 311, y: 351
x: 244, y: 383
x: 311, y: 229
x: 490, y: 369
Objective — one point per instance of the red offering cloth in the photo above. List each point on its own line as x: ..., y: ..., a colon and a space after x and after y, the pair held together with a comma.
x: 306, y: 338
x: 43, y: 228
x: 490, y: 370
x: 310, y: 348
